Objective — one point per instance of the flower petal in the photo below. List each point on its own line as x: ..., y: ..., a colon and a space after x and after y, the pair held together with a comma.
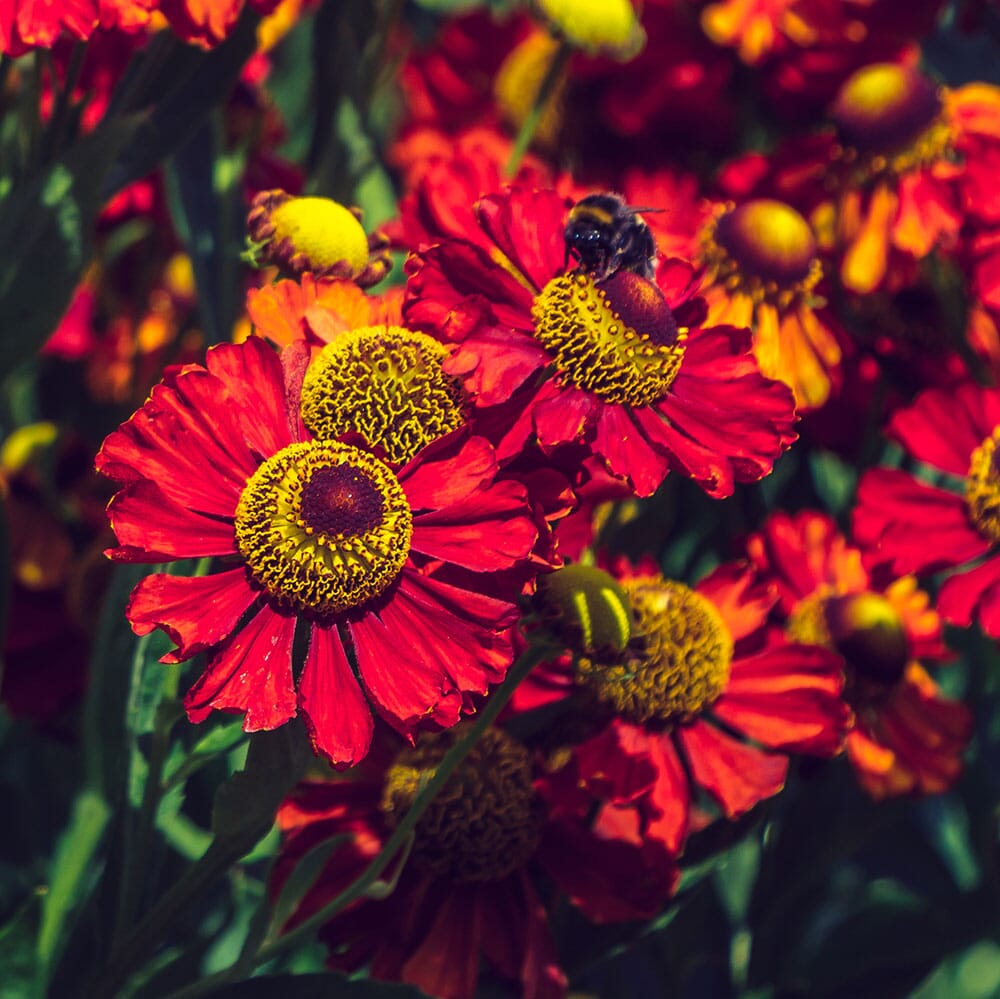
x: 152, y: 528
x: 912, y: 526
x: 737, y: 775
x: 251, y: 673
x: 197, y: 612
x: 336, y: 712
x: 975, y: 592
x: 787, y: 698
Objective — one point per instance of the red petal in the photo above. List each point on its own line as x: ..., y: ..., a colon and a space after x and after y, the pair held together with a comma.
x: 528, y: 227
x: 448, y: 471
x: 737, y: 775
x: 974, y: 592
x: 743, y: 601
x: 726, y: 420
x: 488, y: 530
x: 493, y: 365
x: 669, y: 802
x: 338, y: 716
x: 625, y: 448
x: 912, y: 526
x: 152, y: 528
x: 252, y: 673
x: 254, y: 393
x: 455, y: 288
x: 609, y: 880
x: 616, y: 764
x: 541, y: 976
x: 446, y: 963
x: 563, y: 415
x: 787, y: 698
x: 197, y: 612
x: 944, y: 428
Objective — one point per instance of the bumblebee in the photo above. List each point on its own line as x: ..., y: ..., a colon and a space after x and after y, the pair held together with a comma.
x: 604, y: 235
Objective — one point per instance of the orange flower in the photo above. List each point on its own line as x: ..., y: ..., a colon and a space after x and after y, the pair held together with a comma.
x: 906, y: 736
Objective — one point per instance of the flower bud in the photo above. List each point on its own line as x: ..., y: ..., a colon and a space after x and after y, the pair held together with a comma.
x: 587, y: 610
x: 606, y: 27
x: 314, y: 234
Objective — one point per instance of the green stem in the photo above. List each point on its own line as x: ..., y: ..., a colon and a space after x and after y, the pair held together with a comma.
x: 60, y: 115
x: 530, y: 124
x: 528, y: 660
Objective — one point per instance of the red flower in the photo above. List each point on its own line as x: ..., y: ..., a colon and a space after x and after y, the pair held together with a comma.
x: 620, y: 366
x: 467, y: 894
x: 317, y: 536
x: 906, y: 736
x: 911, y: 526
x: 706, y: 703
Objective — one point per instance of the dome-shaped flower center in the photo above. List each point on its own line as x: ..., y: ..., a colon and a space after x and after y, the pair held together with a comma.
x: 684, y: 665
x: 982, y: 488
x: 769, y: 246
x: 322, y: 230
x: 863, y: 627
x: 607, y: 26
x: 519, y: 80
x: 323, y: 526
x: 890, y: 110
x: 618, y: 340
x: 385, y: 383
x: 484, y: 823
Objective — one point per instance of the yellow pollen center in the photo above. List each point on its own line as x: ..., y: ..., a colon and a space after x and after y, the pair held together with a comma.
x: 323, y: 527
x: 763, y: 249
x: 485, y: 822
x: 387, y: 384
x: 889, y: 118
x: 321, y: 230
x: 596, y: 351
x: 684, y: 665
x: 982, y: 488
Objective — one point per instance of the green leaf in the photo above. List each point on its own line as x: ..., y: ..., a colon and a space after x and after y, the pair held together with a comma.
x: 46, y: 228
x: 180, y: 84
x: 303, y: 877
x: 17, y: 952
x: 833, y: 479
x: 73, y: 871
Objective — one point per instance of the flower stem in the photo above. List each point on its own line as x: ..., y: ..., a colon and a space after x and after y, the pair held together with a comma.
x: 530, y: 124
x: 528, y: 660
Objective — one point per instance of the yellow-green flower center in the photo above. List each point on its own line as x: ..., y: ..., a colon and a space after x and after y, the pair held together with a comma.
x: 617, y: 340
x: 862, y: 627
x: 982, y: 488
x: 763, y: 248
x: 608, y: 26
x: 890, y: 116
x: 323, y: 527
x: 684, y: 664
x: 485, y: 822
x: 322, y: 231
x: 387, y: 384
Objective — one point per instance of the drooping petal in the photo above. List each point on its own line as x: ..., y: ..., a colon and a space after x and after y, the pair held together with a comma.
x: 251, y: 674
x: 669, y: 802
x: 336, y: 712
x: 197, y: 612
x: 707, y: 420
x: 736, y: 774
x: 448, y: 471
x: 943, y: 428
